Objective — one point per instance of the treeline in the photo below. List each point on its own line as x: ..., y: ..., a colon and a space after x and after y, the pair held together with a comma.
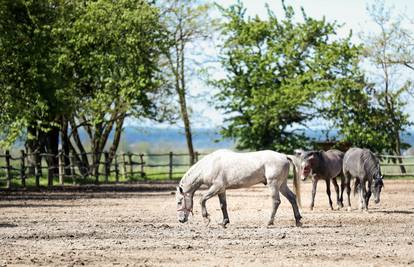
x: 91, y: 65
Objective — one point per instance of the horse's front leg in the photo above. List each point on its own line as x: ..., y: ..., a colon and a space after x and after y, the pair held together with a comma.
x: 314, y: 184
x: 274, y: 194
x: 223, y: 206
x: 368, y: 195
x: 328, y: 191
x: 212, y: 191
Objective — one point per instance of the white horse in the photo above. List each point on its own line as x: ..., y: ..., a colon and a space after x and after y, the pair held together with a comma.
x: 225, y: 169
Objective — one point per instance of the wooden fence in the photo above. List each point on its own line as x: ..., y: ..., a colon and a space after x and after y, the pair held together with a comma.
x: 16, y: 170
x: 397, y: 165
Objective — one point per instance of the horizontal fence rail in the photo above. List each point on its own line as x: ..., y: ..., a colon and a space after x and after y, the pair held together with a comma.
x: 44, y: 169
x: 392, y: 165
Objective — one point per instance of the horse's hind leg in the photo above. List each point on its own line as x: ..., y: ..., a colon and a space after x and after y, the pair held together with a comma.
x: 212, y: 191
x: 328, y: 192
x: 347, y: 184
x: 274, y: 194
x: 284, y: 189
x: 223, y: 206
x: 338, y: 196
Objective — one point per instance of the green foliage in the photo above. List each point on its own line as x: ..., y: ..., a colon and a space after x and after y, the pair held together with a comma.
x: 277, y: 71
x: 95, y: 60
x: 28, y: 54
x: 111, y: 56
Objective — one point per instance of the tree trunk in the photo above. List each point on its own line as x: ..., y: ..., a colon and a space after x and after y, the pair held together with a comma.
x: 65, y: 145
x: 32, y: 146
x: 52, y: 149
x: 398, y: 153
x: 181, y: 89
x: 117, y: 138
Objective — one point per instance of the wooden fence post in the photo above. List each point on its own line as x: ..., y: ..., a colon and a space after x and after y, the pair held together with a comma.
x: 170, y: 172
x: 196, y: 156
x: 61, y: 167
x: 124, y: 169
x: 106, y: 166
x: 23, y: 168
x: 8, y: 169
x: 38, y: 168
x: 141, y: 156
x: 116, y: 169
x: 131, y: 168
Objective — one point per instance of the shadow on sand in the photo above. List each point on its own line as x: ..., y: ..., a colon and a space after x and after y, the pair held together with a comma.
x: 394, y: 211
x: 7, y: 225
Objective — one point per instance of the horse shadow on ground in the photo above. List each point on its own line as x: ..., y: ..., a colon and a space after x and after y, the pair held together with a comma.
x: 394, y: 211
x: 7, y: 225
x: 40, y: 205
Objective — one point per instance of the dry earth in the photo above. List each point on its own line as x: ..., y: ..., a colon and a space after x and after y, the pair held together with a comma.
x: 137, y: 228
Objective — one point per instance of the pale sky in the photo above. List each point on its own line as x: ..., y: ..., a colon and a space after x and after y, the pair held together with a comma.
x: 352, y: 13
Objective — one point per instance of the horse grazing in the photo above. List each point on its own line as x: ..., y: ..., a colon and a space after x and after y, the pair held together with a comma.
x: 323, y: 165
x: 364, y: 166
x: 225, y: 169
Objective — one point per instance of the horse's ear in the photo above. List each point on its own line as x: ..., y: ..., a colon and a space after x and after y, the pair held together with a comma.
x: 181, y: 190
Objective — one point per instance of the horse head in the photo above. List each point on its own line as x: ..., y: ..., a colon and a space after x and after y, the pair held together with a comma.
x: 310, y: 161
x: 377, y: 185
x: 184, y: 204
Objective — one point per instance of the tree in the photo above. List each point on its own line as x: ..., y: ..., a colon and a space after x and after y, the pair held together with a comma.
x: 31, y: 96
x: 277, y: 72
x: 111, y: 58
x: 389, y: 51
x: 188, y: 22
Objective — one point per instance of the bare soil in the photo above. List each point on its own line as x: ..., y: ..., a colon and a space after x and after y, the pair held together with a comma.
x: 140, y: 228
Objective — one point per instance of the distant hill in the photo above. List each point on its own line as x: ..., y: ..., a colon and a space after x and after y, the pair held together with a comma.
x: 173, y: 139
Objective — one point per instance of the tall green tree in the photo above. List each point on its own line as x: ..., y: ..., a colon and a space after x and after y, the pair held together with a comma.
x: 111, y: 57
x: 31, y: 97
x: 278, y: 71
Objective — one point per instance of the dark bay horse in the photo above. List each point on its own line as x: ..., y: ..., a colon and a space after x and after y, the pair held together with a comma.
x: 364, y: 166
x: 326, y: 166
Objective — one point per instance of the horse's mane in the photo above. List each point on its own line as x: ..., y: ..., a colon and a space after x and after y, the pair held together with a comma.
x: 370, y: 163
x: 190, y: 178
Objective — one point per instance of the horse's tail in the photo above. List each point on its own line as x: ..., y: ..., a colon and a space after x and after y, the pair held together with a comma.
x: 296, y: 182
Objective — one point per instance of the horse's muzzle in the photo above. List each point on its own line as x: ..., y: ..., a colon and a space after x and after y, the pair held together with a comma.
x: 182, y: 220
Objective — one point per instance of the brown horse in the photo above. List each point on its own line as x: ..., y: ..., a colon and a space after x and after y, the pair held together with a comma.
x: 326, y: 166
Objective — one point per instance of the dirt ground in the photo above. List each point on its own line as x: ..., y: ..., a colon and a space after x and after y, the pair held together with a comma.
x: 141, y: 229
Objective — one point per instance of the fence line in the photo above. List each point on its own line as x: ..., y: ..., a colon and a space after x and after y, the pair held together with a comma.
x: 100, y: 167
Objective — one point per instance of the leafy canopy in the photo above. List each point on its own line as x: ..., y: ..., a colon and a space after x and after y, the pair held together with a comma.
x: 279, y: 72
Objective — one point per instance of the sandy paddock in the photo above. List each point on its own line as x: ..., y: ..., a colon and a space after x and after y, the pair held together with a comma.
x: 106, y: 229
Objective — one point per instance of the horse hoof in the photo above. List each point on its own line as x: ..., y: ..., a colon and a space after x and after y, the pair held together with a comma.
x: 207, y: 221
x: 270, y: 223
x: 349, y: 209
x: 224, y: 225
x: 299, y: 224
